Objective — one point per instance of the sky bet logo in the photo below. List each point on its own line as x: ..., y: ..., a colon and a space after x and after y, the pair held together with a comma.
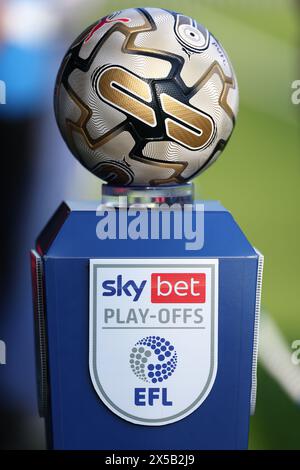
x: 165, y: 288
x: 177, y: 288
x: 117, y: 287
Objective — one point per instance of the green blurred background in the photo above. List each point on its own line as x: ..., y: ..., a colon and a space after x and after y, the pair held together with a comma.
x: 257, y: 177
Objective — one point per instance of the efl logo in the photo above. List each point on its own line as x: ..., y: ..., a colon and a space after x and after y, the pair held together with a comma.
x: 178, y: 288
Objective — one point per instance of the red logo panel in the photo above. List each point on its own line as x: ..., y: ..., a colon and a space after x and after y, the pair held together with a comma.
x: 178, y: 288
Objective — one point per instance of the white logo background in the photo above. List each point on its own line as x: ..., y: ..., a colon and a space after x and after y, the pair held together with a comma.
x: 112, y: 339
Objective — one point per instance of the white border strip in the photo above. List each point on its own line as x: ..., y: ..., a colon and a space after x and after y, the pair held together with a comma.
x: 260, y: 268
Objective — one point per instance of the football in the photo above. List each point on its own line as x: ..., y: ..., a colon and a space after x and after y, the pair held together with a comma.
x: 146, y: 97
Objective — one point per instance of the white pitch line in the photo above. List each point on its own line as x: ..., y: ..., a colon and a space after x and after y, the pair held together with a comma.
x: 276, y: 357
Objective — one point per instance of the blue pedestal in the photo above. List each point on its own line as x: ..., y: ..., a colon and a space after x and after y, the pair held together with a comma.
x: 76, y: 416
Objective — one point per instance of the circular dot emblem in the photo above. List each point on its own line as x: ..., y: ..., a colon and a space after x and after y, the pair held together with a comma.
x: 153, y: 359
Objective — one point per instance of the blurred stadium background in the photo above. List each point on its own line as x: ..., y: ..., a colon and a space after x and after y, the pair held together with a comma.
x: 257, y: 178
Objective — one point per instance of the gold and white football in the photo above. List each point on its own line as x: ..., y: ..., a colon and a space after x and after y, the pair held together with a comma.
x: 146, y: 97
